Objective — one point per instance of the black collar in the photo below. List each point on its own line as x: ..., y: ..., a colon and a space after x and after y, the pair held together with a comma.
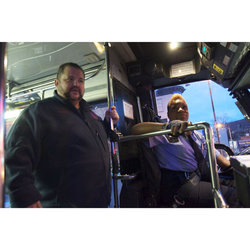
x: 84, y: 106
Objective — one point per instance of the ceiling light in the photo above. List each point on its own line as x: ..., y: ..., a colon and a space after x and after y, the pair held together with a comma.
x: 173, y: 45
x: 99, y: 47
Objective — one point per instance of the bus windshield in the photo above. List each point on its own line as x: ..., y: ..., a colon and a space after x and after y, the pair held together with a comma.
x: 209, y: 102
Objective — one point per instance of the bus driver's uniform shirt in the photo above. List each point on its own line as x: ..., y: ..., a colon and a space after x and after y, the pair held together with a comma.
x: 176, y: 153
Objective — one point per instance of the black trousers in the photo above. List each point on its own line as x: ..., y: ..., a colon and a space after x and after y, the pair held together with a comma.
x: 181, y: 189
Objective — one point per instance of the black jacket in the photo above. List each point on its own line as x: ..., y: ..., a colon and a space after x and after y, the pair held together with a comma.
x: 58, y: 155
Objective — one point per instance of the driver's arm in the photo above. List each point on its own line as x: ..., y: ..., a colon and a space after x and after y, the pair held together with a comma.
x: 176, y: 127
x: 223, y: 162
x: 147, y: 127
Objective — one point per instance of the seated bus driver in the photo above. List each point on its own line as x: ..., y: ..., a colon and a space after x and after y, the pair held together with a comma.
x: 57, y: 152
x: 180, y: 179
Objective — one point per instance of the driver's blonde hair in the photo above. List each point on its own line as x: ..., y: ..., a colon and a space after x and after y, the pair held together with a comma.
x: 173, y: 98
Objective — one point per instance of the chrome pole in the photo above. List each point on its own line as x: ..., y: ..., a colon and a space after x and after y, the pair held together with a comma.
x: 114, y: 160
x: 139, y: 108
x: 218, y: 199
x: 3, y: 65
x: 215, y: 121
x: 110, y: 96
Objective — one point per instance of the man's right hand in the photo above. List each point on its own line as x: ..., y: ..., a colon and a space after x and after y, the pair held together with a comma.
x: 178, y: 126
x: 35, y: 205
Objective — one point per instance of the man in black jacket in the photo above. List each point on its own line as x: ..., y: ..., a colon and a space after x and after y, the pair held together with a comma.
x: 56, y: 151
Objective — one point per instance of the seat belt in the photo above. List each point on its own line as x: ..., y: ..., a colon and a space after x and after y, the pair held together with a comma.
x: 202, y: 165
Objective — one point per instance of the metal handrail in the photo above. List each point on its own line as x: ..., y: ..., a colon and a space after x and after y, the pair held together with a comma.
x: 3, y: 63
x: 114, y: 156
x: 218, y: 198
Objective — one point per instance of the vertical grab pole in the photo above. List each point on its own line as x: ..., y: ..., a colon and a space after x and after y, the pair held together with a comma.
x: 215, y: 121
x: 139, y: 108
x: 113, y: 153
x: 3, y: 63
x: 110, y: 95
x: 218, y: 198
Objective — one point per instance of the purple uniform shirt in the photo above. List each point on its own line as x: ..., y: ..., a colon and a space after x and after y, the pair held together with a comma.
x: 178, y: 154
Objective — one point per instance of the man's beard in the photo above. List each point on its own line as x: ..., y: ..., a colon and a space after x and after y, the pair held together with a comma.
x: 68, y: 97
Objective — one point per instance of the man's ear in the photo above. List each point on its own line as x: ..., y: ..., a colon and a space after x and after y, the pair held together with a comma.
x: 56, y: 82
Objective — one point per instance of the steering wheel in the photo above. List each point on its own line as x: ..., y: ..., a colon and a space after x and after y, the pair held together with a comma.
x: 226, y: 152
x: 224, y: 148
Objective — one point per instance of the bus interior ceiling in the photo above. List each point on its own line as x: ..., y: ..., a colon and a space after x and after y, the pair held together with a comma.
x: 32, y: 66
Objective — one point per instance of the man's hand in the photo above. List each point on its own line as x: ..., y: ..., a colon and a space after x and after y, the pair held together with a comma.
x: 35, y: 205
x: 178, y: 127
x: 112, y: 114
